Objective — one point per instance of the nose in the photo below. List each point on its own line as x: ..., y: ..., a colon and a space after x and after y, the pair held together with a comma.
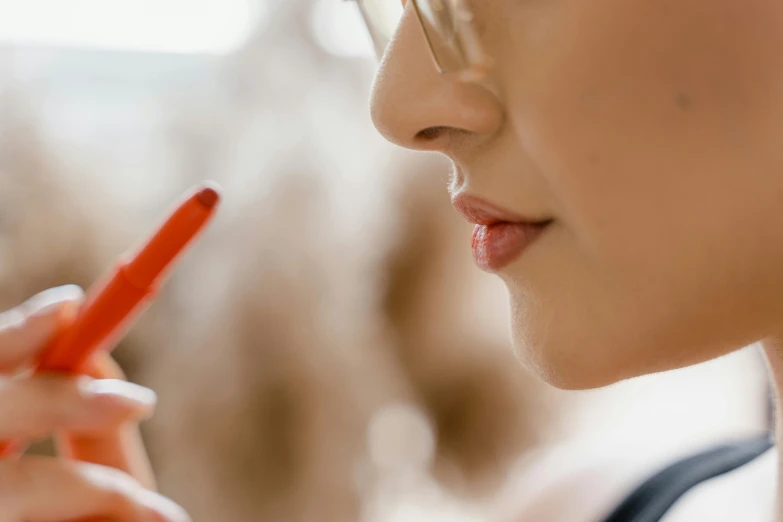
x: 415, y: 106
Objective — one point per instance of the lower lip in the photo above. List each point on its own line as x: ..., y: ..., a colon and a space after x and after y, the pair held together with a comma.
x: 497, y: 245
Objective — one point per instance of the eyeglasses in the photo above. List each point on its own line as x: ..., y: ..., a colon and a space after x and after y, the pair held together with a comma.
x: 448, y: 28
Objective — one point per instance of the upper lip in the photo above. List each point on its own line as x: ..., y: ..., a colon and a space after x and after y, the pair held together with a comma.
x: 481, y: 212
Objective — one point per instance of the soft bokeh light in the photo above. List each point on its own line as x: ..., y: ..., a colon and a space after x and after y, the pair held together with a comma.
x: 384, y: 15
x: 170, y: 26
x: 339, y: 29
x: 401, y: 438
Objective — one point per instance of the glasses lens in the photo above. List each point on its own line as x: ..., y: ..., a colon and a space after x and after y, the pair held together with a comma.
x: 382, y: 17
x: 441, y: 21
x: 439, y: 17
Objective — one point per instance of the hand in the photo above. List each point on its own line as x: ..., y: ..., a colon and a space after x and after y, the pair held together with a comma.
x: 94, y: 419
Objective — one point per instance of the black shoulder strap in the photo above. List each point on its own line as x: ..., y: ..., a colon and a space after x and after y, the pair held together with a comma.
x: 653, y: 498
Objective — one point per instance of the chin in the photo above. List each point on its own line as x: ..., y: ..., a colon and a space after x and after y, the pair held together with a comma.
x: 569, y: 361
x: 566, y: 362
x: 563, y: 372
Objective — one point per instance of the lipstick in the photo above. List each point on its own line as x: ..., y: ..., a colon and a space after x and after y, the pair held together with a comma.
x: 117, y: 300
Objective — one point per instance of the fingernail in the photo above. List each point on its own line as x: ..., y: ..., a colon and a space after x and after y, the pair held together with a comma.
x: 13, y: 318
x: 127, y: 393
x: 168, y: 510
x: 50, y: 299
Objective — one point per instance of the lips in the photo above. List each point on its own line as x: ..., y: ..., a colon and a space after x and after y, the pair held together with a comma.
x: 500, y: 236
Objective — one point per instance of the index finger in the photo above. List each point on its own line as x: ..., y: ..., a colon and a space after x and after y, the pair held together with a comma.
x: 25, y: 329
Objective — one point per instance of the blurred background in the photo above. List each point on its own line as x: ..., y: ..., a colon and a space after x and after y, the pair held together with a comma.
x: 328, y: 351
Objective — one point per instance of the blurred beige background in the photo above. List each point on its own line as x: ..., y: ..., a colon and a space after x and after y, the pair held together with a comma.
x: 328, y: 351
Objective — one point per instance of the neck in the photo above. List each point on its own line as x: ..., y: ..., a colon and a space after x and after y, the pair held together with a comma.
x: 773, y: 349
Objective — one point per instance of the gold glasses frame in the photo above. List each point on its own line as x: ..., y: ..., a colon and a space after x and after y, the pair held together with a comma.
x: 450, y: 32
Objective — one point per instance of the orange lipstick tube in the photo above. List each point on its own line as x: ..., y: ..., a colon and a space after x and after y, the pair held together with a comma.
x: 113, y: 304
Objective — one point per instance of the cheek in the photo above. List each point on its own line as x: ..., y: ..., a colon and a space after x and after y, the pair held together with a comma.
x: 654, y: 124
x: 635, y: 102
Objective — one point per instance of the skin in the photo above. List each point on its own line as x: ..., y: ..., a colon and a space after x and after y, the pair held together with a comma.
x: 650, y: 131
x: 96, y: 420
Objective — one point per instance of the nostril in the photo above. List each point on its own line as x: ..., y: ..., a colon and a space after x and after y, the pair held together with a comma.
x: 431, y: 133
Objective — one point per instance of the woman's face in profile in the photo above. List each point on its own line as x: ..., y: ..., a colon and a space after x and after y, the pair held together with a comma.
x: 651, y: 133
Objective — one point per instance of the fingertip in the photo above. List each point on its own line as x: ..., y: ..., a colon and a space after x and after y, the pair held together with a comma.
x: 165, y: 509
x: 53, y: 299
x: 12, y: 319
x: 25, y: 329
x: 117, y: 393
